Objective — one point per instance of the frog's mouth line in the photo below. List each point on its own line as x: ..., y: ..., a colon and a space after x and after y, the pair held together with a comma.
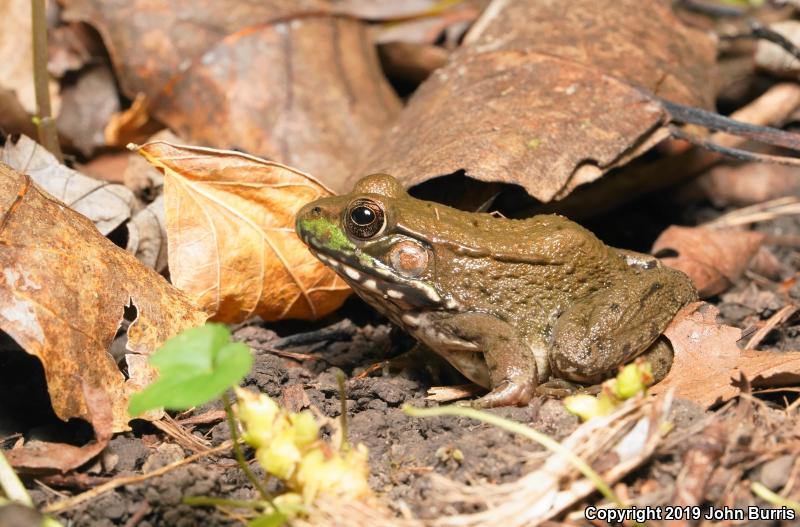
x: 378, y: 280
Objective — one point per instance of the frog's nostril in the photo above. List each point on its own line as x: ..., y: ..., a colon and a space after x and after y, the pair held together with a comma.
x: 316, y: 211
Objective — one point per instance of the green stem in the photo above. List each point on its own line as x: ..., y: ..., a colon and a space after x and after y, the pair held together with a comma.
x: 11, y: 485
x: 775, y: 499
x: 45, y: 124
x: 237, y: 451
x: 530, y: 433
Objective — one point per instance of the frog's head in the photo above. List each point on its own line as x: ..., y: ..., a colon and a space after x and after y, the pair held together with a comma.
x: 358, y: 235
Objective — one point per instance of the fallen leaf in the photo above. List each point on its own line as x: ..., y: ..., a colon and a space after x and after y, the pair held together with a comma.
x: 147, y: 235
x: 307, y: 92
x: 70, y: 47
x: 713, y: 258
x: 40, y: 455
x: 13, y: 117
x: 772, y: 57
x: 748, y: 183
x: 149, y: 41
x: 87, y: 107
x: 107, y: 205
x: 16, y: 68
x: 283, y: 79
x: 107, y: 167
x: 548, y: 95
x: 708, y: 361
x: 133, y: 125
x: 63, y: 291
x: 232, y: 245
x: 385, y: 9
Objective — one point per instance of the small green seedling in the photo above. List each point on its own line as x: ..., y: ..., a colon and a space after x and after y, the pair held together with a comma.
x: 194, y: 367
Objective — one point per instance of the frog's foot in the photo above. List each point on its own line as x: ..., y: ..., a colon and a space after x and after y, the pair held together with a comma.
x: 507, y: 393
x: 558, y: 388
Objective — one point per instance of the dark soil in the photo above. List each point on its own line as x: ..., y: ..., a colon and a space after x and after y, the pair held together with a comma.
x: 296, y: 361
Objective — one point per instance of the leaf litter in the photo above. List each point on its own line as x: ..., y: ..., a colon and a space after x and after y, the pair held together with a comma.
x: 404, y: 452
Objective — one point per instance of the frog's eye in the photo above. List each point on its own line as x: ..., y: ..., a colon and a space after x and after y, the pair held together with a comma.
x: 364, y: 219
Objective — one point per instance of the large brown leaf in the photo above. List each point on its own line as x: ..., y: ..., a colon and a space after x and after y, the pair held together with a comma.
x: 708, y: 362
x: 63, y: 292
x: 713, y: 259
x: 231, y: 240
x: 546, y: 94
x: 281, y: 79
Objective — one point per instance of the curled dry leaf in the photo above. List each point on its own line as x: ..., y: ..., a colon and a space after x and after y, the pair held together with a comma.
x: 40, y: 455
x: 107, y: 205
x: 232, y: 245
x: 708, y: 360
x: 546, y: 94
x: 63, y: 291
x: 88, y: 106
x: 147, y: 235
x: 133, y: 125
x: 713, y: 259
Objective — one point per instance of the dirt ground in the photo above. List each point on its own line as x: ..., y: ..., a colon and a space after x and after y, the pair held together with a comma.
x: 754, y: 439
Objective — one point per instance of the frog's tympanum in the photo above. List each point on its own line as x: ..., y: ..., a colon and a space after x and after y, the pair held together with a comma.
x: 510, y: 303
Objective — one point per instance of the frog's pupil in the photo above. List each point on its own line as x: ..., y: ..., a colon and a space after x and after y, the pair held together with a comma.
x: 362, y: 216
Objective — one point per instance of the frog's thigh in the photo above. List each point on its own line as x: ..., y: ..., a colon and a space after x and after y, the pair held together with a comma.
x: 512, y: 368
x: 613, y: 326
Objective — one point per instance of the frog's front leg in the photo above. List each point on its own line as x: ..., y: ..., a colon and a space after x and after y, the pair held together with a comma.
x: 511, y: 364
x: 613, y: 326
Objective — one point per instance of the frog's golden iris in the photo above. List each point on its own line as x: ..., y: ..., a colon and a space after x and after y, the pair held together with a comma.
x: 512, y: 304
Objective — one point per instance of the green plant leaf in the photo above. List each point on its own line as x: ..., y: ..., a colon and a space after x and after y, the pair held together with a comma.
x: 195, y: 366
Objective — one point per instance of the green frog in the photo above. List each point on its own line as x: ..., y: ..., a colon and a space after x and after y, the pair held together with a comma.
x: 511, y: 304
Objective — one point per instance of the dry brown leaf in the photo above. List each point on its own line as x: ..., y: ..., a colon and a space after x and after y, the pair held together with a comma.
x: 307, y: 92
x: 747, y: 183
x: 63, y: 291
x: 708, y: 361
x: 133, y: 125
x: 39, y: 455
x: 713, y: 259
x: 87, y: 107
x: 151, y: 40
x: 232, y: 245
x: 546, y: 94
x: 282, y: 79
x: 147, y: 235
x: 107, y: 205
x: 107, y: 167
x: 16, y: 68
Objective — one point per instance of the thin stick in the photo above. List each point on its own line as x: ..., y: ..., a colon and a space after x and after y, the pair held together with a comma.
x: 45, y: 124
x: 68, y: 503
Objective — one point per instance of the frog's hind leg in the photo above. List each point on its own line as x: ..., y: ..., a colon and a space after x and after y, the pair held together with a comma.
x: 613, y: 326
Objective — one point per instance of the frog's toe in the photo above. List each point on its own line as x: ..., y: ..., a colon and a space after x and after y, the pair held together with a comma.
x: 507, y: 393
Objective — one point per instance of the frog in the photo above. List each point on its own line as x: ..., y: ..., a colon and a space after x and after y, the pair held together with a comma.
x: 513, y: 304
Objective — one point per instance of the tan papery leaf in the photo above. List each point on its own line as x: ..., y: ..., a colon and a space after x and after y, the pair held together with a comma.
x: 231, y: 239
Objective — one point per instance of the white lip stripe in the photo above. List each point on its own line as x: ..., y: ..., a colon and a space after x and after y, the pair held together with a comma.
x: 394, y: 293
x: 352, y: 273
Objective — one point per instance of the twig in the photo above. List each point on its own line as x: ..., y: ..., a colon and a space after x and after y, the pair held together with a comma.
x: 68, y: 503
x: 45, y: 124
x: 779, y: 317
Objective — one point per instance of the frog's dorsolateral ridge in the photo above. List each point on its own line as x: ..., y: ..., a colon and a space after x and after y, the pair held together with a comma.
x: 510, y: 303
